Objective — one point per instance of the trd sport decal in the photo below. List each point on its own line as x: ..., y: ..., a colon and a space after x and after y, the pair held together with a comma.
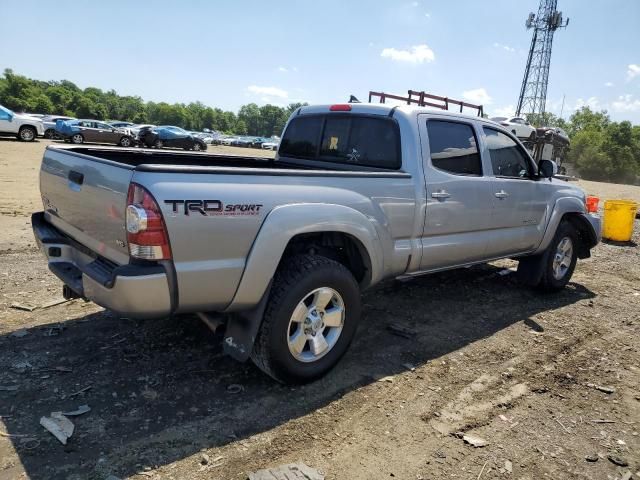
x: 213, y: 207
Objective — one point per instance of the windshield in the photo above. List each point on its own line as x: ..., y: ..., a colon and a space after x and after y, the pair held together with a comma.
x: 6, y: 110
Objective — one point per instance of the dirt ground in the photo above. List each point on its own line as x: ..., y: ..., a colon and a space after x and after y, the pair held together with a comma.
x: 550, y: 382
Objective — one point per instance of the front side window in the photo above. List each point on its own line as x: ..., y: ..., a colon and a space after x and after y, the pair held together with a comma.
x: 104, y: 126
x: 507, y: 158
x: 454, y: 148
x: 5, y: 114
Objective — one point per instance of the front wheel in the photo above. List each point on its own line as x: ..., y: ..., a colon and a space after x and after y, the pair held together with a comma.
x: 27, y: 134
x: 197, y: 147
x: 50, y: 133
x: 311, y: 317
x: 158, y: 143
x: 557, y: 263
x: 125, y: 142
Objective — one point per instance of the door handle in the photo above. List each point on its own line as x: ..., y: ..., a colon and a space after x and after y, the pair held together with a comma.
x: 75, y: 177
x: 501, y: 194
x: 440, y: 194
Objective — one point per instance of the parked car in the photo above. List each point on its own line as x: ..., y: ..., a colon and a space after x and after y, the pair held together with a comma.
x: 118, y: 124
x: 168, y: 136
x: 242, y: 142
x: 80, y: 131
x: 516, y: 125
x: 228, y: 141
x: 23, y: 127
x: 49, y: 124
x: 271, y: 145
x: 282, y: 248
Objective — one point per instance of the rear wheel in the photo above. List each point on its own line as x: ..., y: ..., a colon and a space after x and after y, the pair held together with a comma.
x: 27, y: 134
x: 158, y: 143
x: 77, y: 138
x: 310, y: 319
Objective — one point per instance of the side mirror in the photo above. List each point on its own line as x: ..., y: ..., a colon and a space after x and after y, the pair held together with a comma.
x: 547, y: 168
x: 10, y: 118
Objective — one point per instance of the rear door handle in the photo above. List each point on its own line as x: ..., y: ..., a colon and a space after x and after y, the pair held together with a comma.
x: 440, y: 194
x: 75, y: 177
x: 501, y: 194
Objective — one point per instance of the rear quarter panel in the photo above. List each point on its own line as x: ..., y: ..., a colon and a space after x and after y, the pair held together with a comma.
x: 210, y: 251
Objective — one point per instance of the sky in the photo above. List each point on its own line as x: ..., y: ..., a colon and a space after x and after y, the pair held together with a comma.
x: 227, y: 54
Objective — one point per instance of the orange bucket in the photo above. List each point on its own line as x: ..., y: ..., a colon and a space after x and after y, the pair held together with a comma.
x: 592, y: 204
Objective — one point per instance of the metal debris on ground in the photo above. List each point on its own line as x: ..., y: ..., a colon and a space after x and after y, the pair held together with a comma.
x: 81, y: 410
x: 235, y: 388
x: 19, y: 306
x: 21, y: 366
x: 607, y: 390
x: 81, y: 391
x: 53, y: 303
x: 291, y: 471
x: 23, y: 332
x: 401, y: 331
x: 59, y: 426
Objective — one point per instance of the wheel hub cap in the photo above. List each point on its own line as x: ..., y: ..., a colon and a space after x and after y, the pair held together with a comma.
x: 562, y: 258
x: 316, y: 324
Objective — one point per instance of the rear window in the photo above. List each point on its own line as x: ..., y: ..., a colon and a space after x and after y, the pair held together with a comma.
x: 346, y: 139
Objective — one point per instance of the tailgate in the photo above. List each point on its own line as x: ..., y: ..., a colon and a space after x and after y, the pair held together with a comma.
x: 86, y: 197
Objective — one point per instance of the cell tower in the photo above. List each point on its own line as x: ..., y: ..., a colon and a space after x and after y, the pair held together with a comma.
x: 533, y: 93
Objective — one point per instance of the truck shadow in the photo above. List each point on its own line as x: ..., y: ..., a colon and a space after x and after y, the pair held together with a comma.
x: 160, y: 391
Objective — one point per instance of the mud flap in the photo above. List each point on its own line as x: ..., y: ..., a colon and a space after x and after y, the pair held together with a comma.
x: 242, y: 329
x: 531, y: 269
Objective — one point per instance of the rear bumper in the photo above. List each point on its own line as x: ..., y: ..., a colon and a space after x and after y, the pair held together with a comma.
x: 130, y: 290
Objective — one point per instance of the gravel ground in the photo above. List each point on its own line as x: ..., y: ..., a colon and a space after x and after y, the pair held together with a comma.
x: 549, y: 382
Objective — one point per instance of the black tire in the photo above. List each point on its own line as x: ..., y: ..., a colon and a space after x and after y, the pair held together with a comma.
x: 50, y: 133
x: 197, y: 147
x: 27, y: 134
x: 125, y: 142
x: 545, y: 280
x: 77, y: 138
x: 158, y: 143
x: 294, y: 280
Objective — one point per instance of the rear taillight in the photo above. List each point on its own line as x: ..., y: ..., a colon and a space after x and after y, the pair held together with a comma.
x: 146, y: 232
x: 342, y: 107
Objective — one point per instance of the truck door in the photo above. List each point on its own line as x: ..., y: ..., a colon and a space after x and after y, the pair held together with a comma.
x: 459, y: 196
x: 520, y: 199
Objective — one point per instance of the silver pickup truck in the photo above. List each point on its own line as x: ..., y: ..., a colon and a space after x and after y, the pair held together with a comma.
x: 279, y: 250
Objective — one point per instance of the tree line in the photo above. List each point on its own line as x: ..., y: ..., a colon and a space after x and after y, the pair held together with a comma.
x: 601, y: 149
x: 63, y: 97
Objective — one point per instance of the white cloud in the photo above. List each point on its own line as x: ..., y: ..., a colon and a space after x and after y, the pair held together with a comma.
x: 478, y: 95
x: 504, y: 47
x: 282, y: 69
x: 415, y: 54
x: 415, y: 4
x: 507, y: 111
x: 633, y: 71
x: 428, y: 15
x: 592, y: 102
x: 268, y: 91
x: 626, y: 103
x: 608, y: 84
x: 295, y: 69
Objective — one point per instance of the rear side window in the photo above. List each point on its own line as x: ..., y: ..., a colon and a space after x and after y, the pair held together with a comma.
x: 507, y: 158
x: 454, y: 148
x: 346, y: 139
